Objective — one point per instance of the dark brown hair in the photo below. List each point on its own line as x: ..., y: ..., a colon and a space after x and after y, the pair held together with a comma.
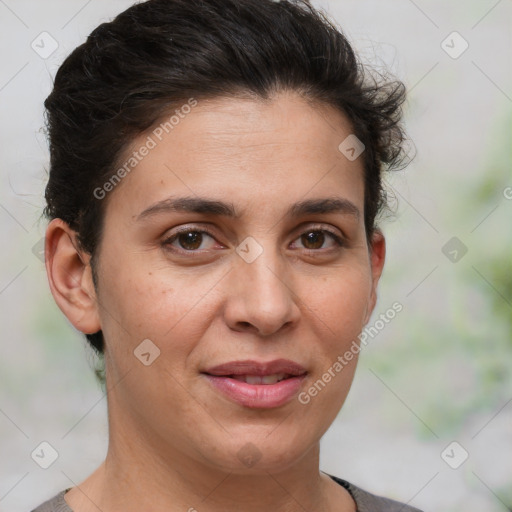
x: 155, y: 55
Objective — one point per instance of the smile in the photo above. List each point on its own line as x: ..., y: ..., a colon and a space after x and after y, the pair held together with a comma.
x: 254, y: 384
x: 260, y: 395
x: 257, y: 379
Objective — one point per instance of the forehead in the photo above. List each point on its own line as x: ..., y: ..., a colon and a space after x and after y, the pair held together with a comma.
x: 249, y: 150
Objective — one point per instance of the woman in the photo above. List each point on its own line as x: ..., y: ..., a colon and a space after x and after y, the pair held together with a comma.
x: 214, y: 185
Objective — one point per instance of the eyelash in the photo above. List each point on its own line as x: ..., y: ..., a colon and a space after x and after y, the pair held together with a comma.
x: 339, y: 241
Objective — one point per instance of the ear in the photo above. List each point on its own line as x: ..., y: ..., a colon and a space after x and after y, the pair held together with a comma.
x: 377, y: 252
x: 70, y: 277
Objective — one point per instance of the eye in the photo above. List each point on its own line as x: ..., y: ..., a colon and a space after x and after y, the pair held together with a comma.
x: 189, y: 240
x: 192, y: 240
x: 314, y: 239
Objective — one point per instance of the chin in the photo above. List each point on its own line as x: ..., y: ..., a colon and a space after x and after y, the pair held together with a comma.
x: 259, y: 454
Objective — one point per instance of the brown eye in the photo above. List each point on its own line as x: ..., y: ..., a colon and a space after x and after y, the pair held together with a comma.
x: 314, y: 239
x: 188, y: 240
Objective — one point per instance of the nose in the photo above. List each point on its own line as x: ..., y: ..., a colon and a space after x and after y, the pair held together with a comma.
x: 261, y: 296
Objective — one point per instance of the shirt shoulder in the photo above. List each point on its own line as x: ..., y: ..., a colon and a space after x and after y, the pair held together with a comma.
x: 55, y: 504
x: 367, y: 502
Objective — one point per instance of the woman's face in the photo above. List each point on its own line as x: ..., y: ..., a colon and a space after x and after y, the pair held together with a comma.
x: 262, y: 271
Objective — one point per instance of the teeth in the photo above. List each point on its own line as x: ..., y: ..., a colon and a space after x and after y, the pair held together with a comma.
x: 254, y: 379
x: 257, y: 379
x: 272, y: 379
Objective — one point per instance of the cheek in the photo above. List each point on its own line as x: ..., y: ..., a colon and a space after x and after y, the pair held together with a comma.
x: 338, y: 311
x: 142, y: 300
x: 342, y: 302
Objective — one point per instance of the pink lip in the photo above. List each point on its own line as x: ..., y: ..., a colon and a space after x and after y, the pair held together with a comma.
x: 249, y: 367
x: 257, y: 395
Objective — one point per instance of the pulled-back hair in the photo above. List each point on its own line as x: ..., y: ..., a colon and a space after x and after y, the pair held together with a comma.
x: 151, y: 58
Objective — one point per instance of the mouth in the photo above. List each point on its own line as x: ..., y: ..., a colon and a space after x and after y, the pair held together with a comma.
x: 254, y: 384
x: 258, y: 379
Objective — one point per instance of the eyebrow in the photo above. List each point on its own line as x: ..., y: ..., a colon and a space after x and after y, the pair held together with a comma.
x: 219, y: 208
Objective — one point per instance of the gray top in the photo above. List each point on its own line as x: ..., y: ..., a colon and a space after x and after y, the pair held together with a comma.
x: 365, y: 501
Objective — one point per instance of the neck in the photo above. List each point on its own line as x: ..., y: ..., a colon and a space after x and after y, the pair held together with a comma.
x: 137, y: 477
x: 144, y: 471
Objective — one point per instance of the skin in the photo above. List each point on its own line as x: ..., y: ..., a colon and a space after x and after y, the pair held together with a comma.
x: 174, y: 439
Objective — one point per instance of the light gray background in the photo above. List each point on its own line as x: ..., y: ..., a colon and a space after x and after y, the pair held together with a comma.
x: 439, y: 372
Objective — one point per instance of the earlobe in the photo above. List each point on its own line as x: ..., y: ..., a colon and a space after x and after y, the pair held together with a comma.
x: 377, y: 251
x: 70, y: 277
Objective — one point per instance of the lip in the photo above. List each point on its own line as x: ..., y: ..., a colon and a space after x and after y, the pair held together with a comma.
x: 257, y: 396
x: 250, y: 367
